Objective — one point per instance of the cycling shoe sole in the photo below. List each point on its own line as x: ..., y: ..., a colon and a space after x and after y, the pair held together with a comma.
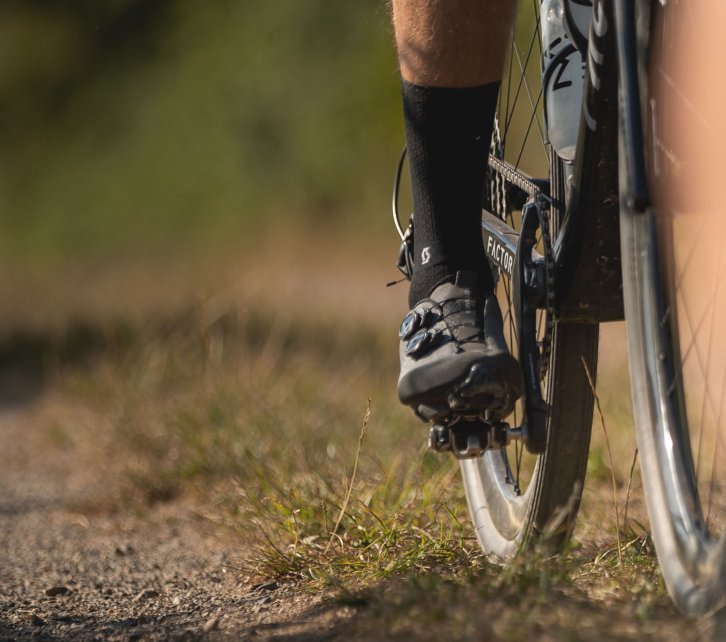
x: 483, y: 391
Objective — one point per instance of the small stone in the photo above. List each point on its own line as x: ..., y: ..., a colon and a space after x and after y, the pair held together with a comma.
x: 266, y: 586
x: 146, y: 594
x: 57, y: 590
x: 36, y: 620
x: 211, y: 624
x: 66, y: 619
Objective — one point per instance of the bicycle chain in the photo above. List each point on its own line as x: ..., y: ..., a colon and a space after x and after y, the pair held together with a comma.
x: 497, y: 188
x: 511, y: 175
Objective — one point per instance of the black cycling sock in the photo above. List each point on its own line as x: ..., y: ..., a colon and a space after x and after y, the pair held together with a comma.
x: 448, y: 132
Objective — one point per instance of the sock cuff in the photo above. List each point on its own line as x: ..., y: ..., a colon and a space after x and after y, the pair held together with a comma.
x: 464, y: 102
x: 451, y: 91
x: 443, y: 112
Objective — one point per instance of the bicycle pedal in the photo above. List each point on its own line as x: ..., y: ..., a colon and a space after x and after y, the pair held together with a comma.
x: 468, y: 439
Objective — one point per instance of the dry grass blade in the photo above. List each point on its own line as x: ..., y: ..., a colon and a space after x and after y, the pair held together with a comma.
x: 363, y: 429
x: 627, y: 492
x: 610, y: 458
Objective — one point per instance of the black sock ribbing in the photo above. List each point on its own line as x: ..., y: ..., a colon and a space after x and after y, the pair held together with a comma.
x: 448, y: 132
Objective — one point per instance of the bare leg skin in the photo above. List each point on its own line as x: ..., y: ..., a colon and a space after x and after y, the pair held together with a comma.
x: 452, y: 43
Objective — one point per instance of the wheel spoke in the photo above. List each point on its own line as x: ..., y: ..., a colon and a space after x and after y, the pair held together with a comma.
x: 529, y: 127
x: 523, y: 81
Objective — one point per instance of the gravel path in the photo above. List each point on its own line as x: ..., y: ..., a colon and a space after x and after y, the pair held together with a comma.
x: 170, y: 575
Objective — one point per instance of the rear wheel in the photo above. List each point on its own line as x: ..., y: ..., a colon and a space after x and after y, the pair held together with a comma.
x: 675, y: 295
x: 514, y: 497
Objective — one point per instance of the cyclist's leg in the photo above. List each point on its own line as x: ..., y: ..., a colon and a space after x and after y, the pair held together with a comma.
x: 451, y: 55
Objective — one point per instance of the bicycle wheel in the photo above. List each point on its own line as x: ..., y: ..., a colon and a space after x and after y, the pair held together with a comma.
x: 675, y: 299
x: 516, y: 498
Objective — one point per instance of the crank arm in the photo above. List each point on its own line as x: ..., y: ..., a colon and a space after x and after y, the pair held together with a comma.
x: 500, y: 243
x: 514, y: 254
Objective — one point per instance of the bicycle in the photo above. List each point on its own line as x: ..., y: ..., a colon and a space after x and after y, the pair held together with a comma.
x: 585, y: 245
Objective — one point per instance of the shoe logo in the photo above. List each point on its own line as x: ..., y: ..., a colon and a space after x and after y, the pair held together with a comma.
x: 425, y: 255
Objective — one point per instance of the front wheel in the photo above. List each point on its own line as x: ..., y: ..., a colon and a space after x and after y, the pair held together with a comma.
x: 675, y: 299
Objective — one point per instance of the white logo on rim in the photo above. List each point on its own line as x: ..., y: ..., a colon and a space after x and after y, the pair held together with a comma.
x: 425, y: 255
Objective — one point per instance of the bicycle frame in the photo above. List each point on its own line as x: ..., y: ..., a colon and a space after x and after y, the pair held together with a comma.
x: 588, y: 276
x: 593, y: 222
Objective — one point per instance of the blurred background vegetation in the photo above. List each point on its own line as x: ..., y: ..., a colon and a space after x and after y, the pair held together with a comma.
x: 136, y: 128
x: 140, y: 135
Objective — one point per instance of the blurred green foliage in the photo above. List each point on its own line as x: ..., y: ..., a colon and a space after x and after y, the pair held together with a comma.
x: 145, y: 126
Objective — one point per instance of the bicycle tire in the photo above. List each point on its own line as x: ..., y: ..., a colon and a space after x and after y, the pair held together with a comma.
x: 691, y: 553
x: 507, y: 518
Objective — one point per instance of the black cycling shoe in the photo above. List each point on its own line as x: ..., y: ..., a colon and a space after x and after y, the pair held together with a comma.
x: 454, y: 360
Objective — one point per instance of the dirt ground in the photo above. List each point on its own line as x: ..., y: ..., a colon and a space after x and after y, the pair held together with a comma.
x: 70, y: 572
x: 73, y: 567
x: 168, y: 574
